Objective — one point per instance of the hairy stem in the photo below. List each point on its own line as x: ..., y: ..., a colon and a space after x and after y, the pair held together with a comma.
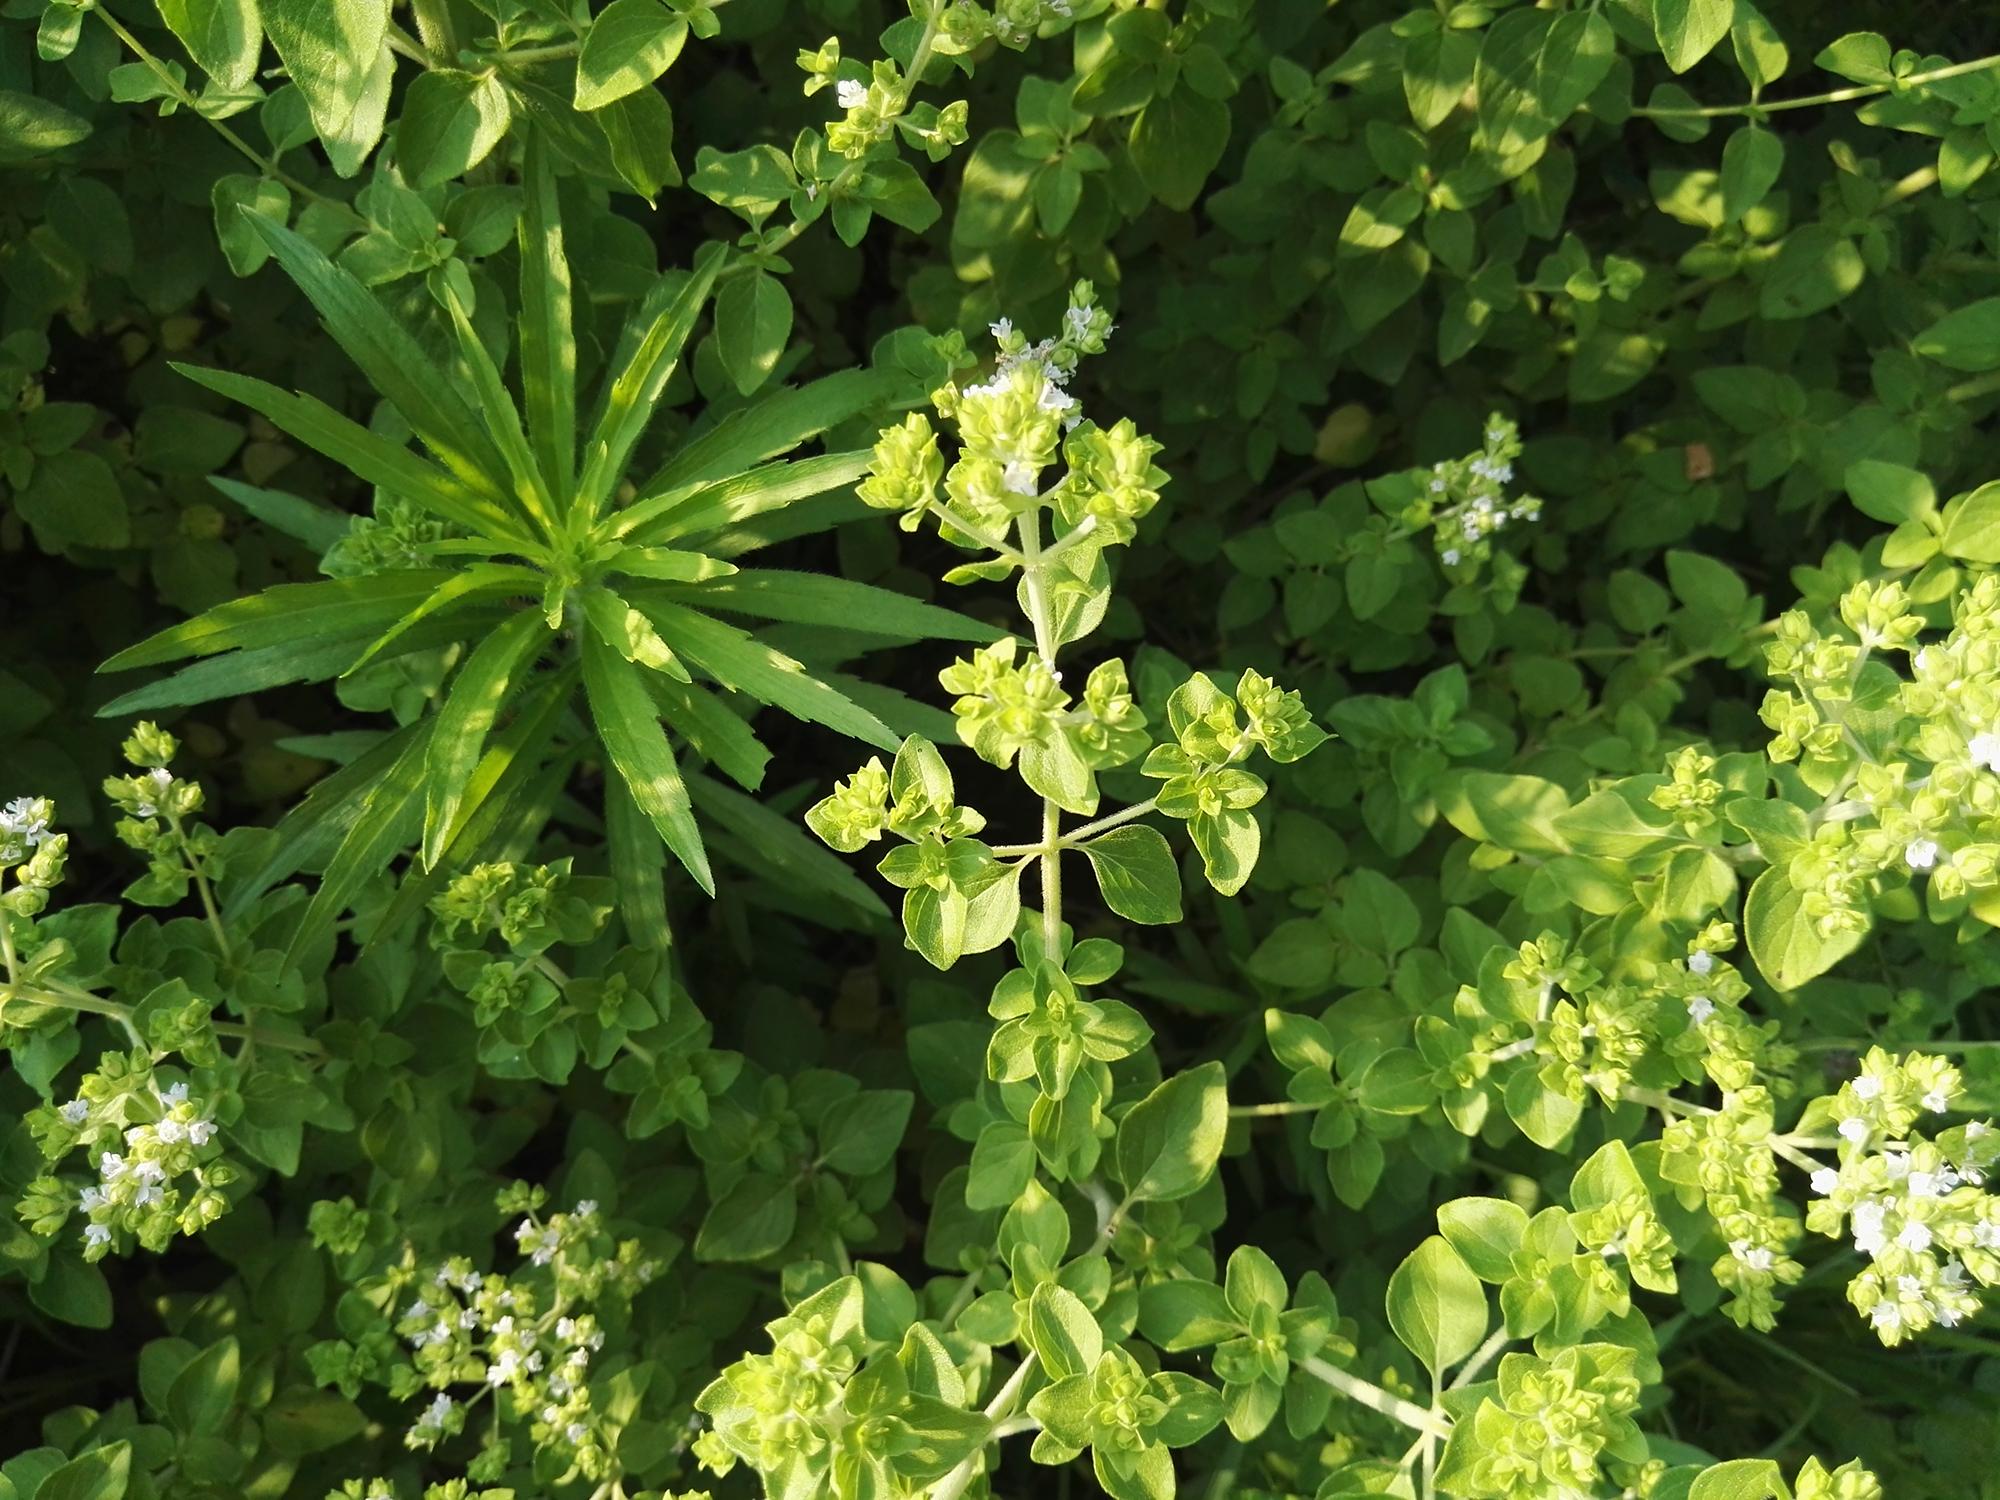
x: 1834, y: 96
x: 997, y: 1410
x: 1372, y: 1396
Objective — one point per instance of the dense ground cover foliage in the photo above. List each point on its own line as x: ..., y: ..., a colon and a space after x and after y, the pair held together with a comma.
x: 1227, y: 747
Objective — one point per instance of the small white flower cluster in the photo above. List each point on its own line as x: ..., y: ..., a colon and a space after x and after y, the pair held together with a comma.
x: 1085, y: 329
x: 143, y: 1187
x: 25, y: 827
x: 1464, y: 501
x: 1917, y: 1208
x: 530, y: 1334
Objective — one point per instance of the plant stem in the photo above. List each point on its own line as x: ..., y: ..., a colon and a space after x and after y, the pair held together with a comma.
x: 953, y: 1484
x: 1372, y: 1396
x: 266, y: 164
x: 1835, y: 96
x: 1255, y: 1111
x: 1036, y: 589
x: 66, y: 997
x: 1124, y: 815
x: 1481, y: 1357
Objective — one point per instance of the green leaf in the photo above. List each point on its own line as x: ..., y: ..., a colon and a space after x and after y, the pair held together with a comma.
x: 370, y: 457
x: 738, y: 660
x: 470, y: 707
x: 381, y: 830
x: 547, y: 337
x: 1753, y: 159
x: 1783, y: 937
x: 647, y: 353
x: 707, y: 508
x: 1515, y: 812
x: 1170, y: 1141
x: 1966, y: 338
x: 1972, y: 526
x: 223, y: 37
x: 753, y: 323
x: 1688, y: 29
x: 242, y: 246
x: 775, y: 424
x: 771, y: 843
x: 299, y: 518
x: 1437, y: 1306
x: 1061, y: 1330
x: 631, y: 43
x: 1485, y: 1232
x: 630, y: 729
x: 203, y: 1396
x: 638, y: 865
x: 639, y: 132
x: 1137, y: 873
x: 837, y: 603
x: 74, y: 500
x: 1176, y: 142
x: 72, y: 1291
x: 451, y: 122
x: 1534, y: 70
x: 1002, y: 1166
x: 31, y: 127
x: 1815, y: 267
x: 287, y: 613
x: 1741, y: 1479
x: 860, y: 1134
x: 753, y: 1219
x: 337, y: 53
x: 1889, y: 493
x: 101, y: 1474
x: 1180, y: 1315
x: 1862, y: 56
x: 391, y: 358
x: 629, y: 632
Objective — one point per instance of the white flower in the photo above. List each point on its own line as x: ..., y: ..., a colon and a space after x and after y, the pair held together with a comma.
x: 1936, y: 1102
x: 1886, y: 1316
x: 75, y: 1112
x: 201, y: 1131
x: 25, y: 819
x: 1700, y: 1008
x: 1756, y: 1258
x: 565, y: 1329
x: 1019, y: 477
x: 1921, y: 854
x: 1867, y: 1086
x: 1854, y: 1129
x: 163, y: 783
x: 1916, y: 1236
x: 438, y: 1410
x: 1825, y: 1181
x: 97, y: 1234
x: 1867, y: 1225
x: 1701, y: 962
x: 175, y: 1095
x: 468, y: 1319
x: 1897, y: 1165
x: 1986, y: 1235
x: 91, y: 1199
x: 1974, y: 1129
x: 1984, y: 750
x: 1451, y: 556
x: 1922, y: 1185
x: 576, y: 1431
x: 852, y: 95
x: 171, y: 1131
x: 150, y: 1193
x: 419, y: 1310
x: 111, y: 1166
x: 585, y: 1207
x: 1000, y: 328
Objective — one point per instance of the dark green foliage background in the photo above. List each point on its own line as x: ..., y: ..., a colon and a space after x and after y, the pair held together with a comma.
x: 1279, y: 366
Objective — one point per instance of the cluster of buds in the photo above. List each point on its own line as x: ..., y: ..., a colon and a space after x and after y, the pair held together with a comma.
x: 400, y: 535
x: 1464, y: 501
x: 1724, y: 1162
x: 1551, y: 1425
x: 528, y: 1337
x: 34, y: 851
x: 1916, y: 1207
x: 157, y: 808
x: 157, y: 1166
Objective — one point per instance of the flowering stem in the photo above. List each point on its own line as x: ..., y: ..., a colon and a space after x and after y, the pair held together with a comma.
x: 953, y: 1484
x: 1034, y: 586
x: 1835, y: 96
x: 265, y: 164
x: 67, y: 997
x: 1367, y: 1393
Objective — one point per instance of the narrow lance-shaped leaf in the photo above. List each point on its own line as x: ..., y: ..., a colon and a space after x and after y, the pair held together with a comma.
x: 651, y: 348
x: 548, y: 340
x: 367, y: 455
x: 704, y: 507
x: 738, y: 660
x: 470, y: 708
x: 775, y: 424
x: 380, y: 830
x: 838, y: 603
x: 639, y: 752
x: 478, y: 580
x: 393, y: 361
x: 286, y: 612
x: 503, y: 420
x: 637, y: 866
